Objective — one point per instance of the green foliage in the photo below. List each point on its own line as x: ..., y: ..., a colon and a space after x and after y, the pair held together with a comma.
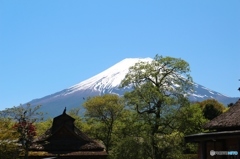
x: 215, y: 103
x: 159, y: 91
x: 104, y: 108
x: 130, y: 139
x: 172, y: 145
x: 131, y: 148
x: 31, y: 113
x: 212, y: 108
x: 163, y: 72
x: 75, y: 111
x: 8, y: 139
x: 75, y: 114
x: 191, y: 119
x: 43, y: 126
x: 189, y: 156
x: 104, y: 111
x: 24, y: 118
x: 210, y: 112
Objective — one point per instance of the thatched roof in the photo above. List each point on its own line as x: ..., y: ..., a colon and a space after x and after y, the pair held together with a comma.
x: 229, y: 120
x: 83, y: 154
x: 65, y: 138
x: 78, y: 142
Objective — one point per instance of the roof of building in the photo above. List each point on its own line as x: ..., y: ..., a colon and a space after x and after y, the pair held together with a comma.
x: 65, y: 138
x: 212, y: 136
x: 226, y: 121
x: 69, y: 154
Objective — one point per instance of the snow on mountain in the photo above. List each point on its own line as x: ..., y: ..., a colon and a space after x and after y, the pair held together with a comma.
x: 108, y: 82
x: 108, y: 79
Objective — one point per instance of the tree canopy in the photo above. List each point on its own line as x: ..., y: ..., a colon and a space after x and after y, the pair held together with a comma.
x: 159, y: 89
x: 104, y: 110
x: 211, y: 108
x: 24, y: 117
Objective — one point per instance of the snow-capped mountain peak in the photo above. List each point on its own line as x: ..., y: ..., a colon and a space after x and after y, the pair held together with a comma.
x: 108, y: 82
x: 109, y: 78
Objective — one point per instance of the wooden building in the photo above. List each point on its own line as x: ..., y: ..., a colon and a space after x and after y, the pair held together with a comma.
x: 65, y: 140
x: 223, y: 136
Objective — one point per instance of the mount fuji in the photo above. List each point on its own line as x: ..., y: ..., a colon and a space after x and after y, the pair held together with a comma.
x: 108, y: 81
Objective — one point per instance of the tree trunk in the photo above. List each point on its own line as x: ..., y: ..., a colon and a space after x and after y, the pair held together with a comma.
x: 154, y: 131
x: 153, y: 148
x: 26, y: 152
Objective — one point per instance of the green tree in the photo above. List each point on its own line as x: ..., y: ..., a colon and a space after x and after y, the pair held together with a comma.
x: 24, y: 117
x: 8, y: 139
x: 191, y: 119
x: 43, y: 126
x: 212, y: 108
x: 27, y: 132
x: 103, y: 112
x: 159, y: 89
x: 130, y: 138
x: 211, y: 112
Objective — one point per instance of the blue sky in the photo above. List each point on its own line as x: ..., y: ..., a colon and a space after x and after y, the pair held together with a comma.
x: 47, y: 46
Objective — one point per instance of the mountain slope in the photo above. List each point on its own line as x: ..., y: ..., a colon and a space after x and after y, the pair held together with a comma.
x: 108, y: 82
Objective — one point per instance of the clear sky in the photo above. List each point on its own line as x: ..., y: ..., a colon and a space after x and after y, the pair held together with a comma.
x: 50, y: 45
